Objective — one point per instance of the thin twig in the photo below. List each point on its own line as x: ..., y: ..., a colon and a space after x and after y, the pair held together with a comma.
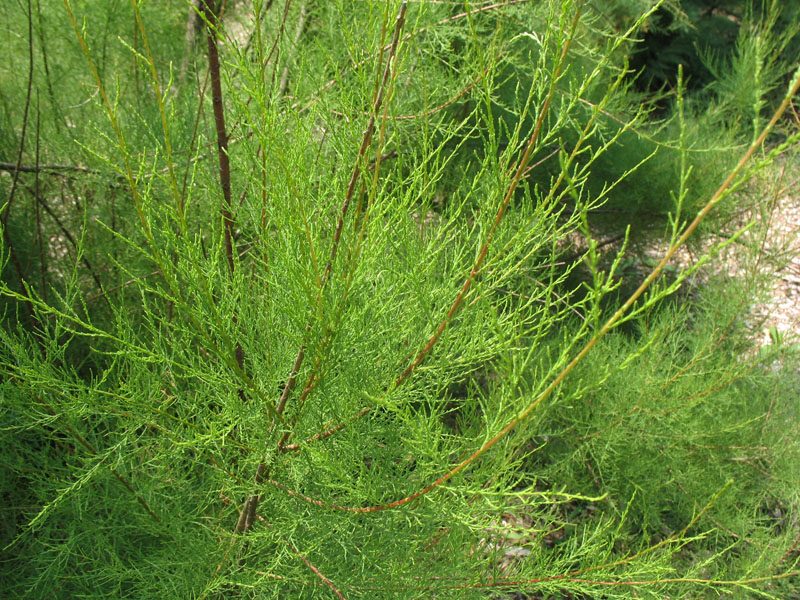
x: 426, y: 113
x: 41, y: 202
x: 351, y: 187
x: 194, y: 24
x: 361, y: 217
x: 327, y: 432
x: 212, y: 23
x: 26, y: 108
x: 468, y: 13
x: 47, y: 77
x: 38, y: 212
x: 327, y: 582
x: 20, y: 168
x: 301, y: 25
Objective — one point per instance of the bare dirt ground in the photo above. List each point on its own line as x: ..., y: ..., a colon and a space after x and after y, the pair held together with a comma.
x: 781, y: 310
x: 769, y: 248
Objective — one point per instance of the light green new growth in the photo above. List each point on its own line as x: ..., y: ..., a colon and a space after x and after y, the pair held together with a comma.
x: 359, y: 300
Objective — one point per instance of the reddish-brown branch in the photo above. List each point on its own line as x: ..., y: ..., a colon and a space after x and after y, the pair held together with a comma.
x: 212, y: 22
x: 287, y: 5
x: 795, y: 548
x: 389, y: 76
x: 572, y: 575
x: 210, y: 15
x: 518, y: 175
x: 522, y: 170
x: 473, y: 11
x: 328, y: 432
x: 351, y: 186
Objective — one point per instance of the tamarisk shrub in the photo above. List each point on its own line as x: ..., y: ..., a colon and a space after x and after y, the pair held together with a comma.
x: 342, y: 313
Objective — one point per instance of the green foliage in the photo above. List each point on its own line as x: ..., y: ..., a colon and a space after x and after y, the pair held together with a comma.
x: 397, y: 361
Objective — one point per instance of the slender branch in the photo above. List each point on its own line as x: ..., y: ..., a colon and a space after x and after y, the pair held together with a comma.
x: 48, y: 78
x: 327, y: 432
x: 474, y: 10
x: 211, y: 18
x: 20, y: 168
x: 360, y: 225
x: 520, y: 170
x: 193, y: 139
x: 275, y: 48
x: 163, y: 113
x: 351, y: 187
x: 429, y: 112
x: 523, y: 169
x: 301, y: 25
x: 467, y: 13
x: 7, y: 209
x: 232, y: 139
x: 194, y: 24
x: 212, y: 23
x: 38, y: 212
x: 21, y: 276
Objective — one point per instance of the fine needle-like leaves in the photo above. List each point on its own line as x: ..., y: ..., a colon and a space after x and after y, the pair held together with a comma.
x: 388, y: 299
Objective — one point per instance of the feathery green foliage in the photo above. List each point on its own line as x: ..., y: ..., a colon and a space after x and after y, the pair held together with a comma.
x: 357, y: 309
